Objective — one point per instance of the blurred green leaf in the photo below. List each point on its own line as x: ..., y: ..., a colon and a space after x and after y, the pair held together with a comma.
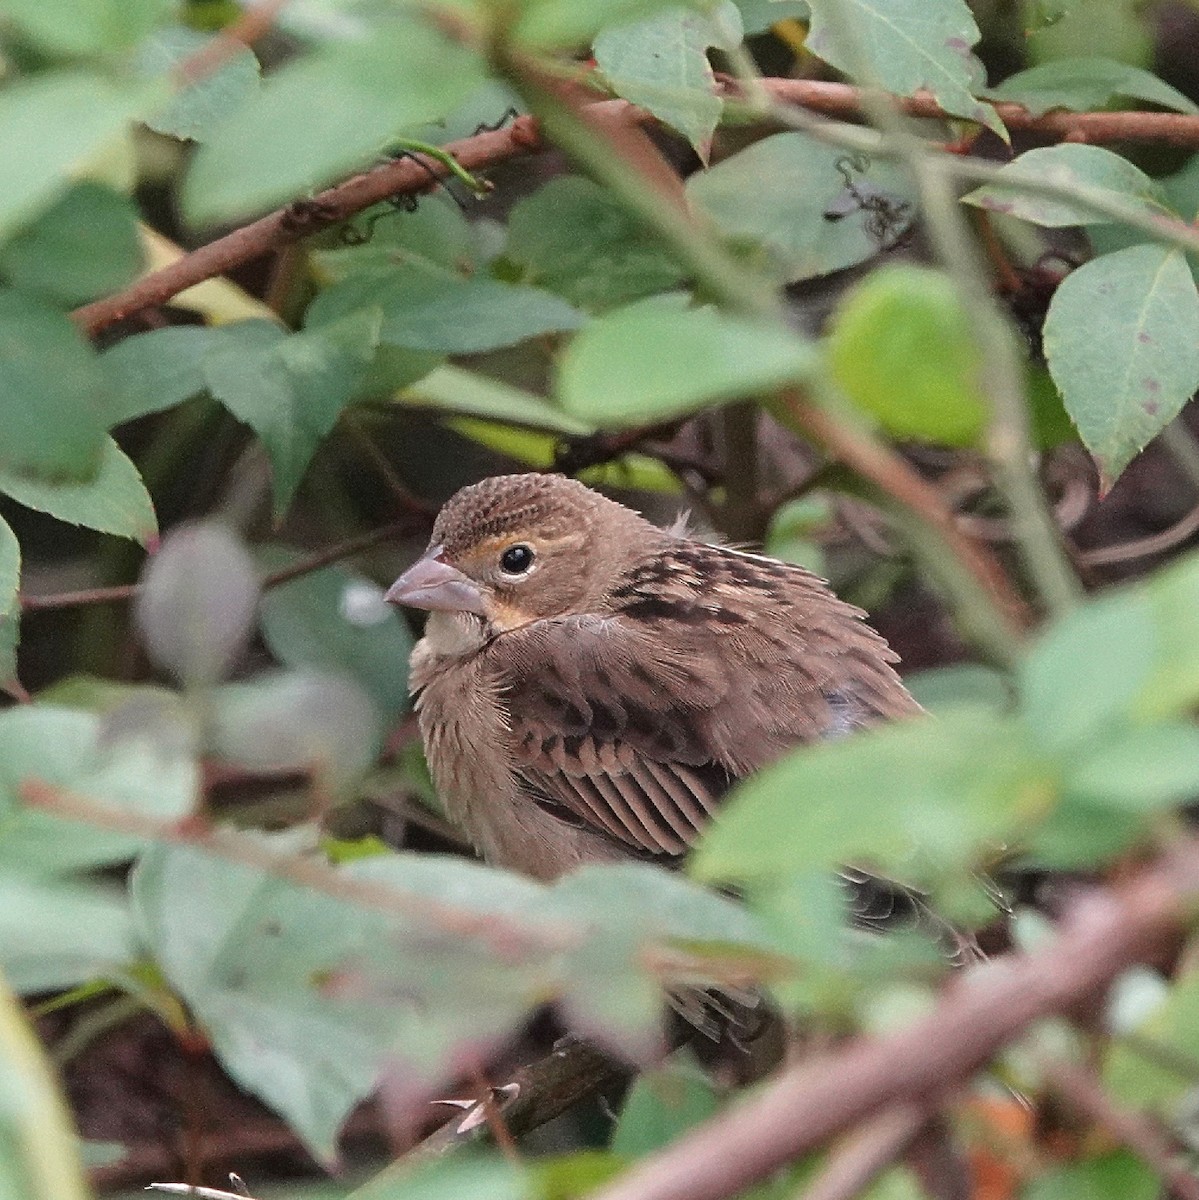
x: 1078, y: 167
x: 307, y: 997
x: 114, y: 500
x: 654, y: 360
x: 39, y: 1154
x: 123, y: 770
x: 795, y: 531
x: 1122, y: 341
x: 1081, y: 84
x: 291, y: 388
x: 472, y: 1176
x: 196, y: 604
x: 1148, y: 1080
x: 430, y: 310
x: 905, y: 46
x: 1139, y: 769
x: 1083, y: 676
x: 56, y: 935
x: 320, y: 725
x: 960, y: 683
x: 84, y: 245
x: 544, y: 24
x: 969, y: 778
x: 85, y: 27
x: 337, y: 620
x: 52, y: 126
x: 661, y: 64
x: 1117, y: 1175
x: 815, y: 229
x: 612, y: 989
x: 326, y: 114
x: 661, y: 1105
x: 10, y: 605
x: 50, y: 392
x: 198, y: 108
x: 902, y: 348
x: 575, y: 239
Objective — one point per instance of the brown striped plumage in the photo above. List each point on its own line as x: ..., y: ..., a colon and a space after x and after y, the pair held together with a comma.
x: 597, y: 703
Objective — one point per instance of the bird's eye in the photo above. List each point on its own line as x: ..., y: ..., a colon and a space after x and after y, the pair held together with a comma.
x: 516, y: 560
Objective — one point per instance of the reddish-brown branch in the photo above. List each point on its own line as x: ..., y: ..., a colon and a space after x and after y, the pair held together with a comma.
x: 987, y: 1008
x: 487, y: 148
x: 883, y: 467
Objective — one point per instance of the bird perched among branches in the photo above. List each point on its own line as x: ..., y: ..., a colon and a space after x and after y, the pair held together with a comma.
x: 589, y: 686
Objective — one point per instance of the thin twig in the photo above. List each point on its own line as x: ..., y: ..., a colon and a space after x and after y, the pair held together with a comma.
x: 1085, y: 1092
x: 251, y: 26
x: 852, y: 1168
x: 125, y: 592
x: 1157, y: 543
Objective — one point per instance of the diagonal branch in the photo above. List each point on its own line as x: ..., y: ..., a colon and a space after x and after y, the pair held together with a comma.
x: 488, y: 147
x: 990, y: 1006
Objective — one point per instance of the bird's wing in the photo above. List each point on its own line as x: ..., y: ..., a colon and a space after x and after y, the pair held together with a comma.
x: 638, y: 721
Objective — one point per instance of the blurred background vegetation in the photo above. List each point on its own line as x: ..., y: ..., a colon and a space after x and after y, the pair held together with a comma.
x: 901, y: 290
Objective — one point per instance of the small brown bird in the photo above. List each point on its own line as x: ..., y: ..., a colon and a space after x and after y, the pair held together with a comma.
x: 589, y: 686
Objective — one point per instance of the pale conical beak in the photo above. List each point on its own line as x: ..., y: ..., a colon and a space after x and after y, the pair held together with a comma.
x: 435, y: 585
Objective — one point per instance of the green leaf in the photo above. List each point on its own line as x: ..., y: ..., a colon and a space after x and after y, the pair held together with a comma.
x: 336, y: 620
x: 654, y: 360
x: 1080, y: 84
x: 611, y: 988
x: 1122, y: 342
x: 149, y: 372
x: 56, y: 935
x: 661, y: 64
x: 52, y: 126
x: 436, y: 234
x: 1087, y: 170
x: 327, y: 114
x: 545, y: 24
x: 50, y: 392
x: 114, y: 500
x: 1144, y: 1082
x: 953, y: 784
x: 290, y: 389
x: 1083, y: 676
x: 904, y: 46
x: 759, y: 15
x: 1139, y: 769
x: 324, y: 726
x: 39, y: 1155
x: 195, y: 607
x: 453, y: 389
x: 200, y: 107
x: 821, y: 227
x: 1117, y: 1175
x: 573, y: 238
x: 455, y: 1177
x: 960, y: 683
x: 902, y: 348
x: 86, y: 244
x: 10, y: 604
x: 431, y: 310
x: 307, y: 997
x: 123, y: 764
x: 85, y: 27
x: 661, y: 1105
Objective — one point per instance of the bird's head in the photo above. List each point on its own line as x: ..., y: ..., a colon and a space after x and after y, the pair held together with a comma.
x: 520, y: 548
